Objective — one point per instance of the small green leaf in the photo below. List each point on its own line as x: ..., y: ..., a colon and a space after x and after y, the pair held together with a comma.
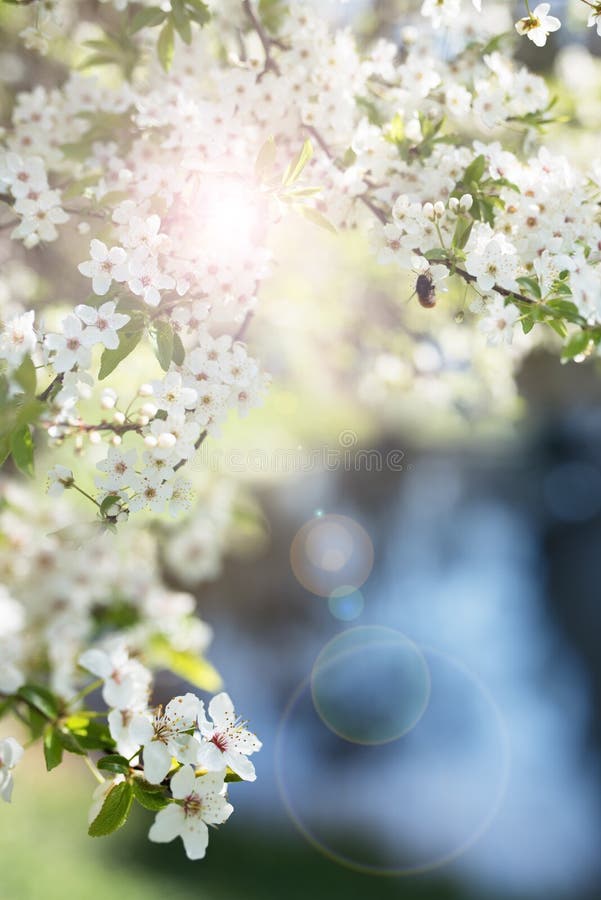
x: 181, y: 21
x: 313, y: 215
x: 187, y: 665
x: 295, y: 168
x: 150, y: 796
x: 199, y: 11
x: 179, y: 351
x: 266, y: 159
x: 41, y: 699
x: 21, y: 447
x: 70, y: 742
x: 166, y: 45
x: 91, y: 734
x: 115, y: 810
x: 474, y: 172
x: 114, y: 763
x: 577, y: 344
x: 162, y: 341
x: 53, y: 748
x: 147, y: 18
x: 26, y: 376
x: 129, y: 338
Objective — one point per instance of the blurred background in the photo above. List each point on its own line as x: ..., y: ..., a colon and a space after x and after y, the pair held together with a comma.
x: 412, y: 620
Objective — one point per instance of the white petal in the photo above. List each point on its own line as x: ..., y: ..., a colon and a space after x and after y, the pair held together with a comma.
x: 221, y: 709
x: 157, y: 762
x: 97, y: 662
x: 240, y: 764
x: 182, y: 783
x: 195, y: 836
x: 168, y: 824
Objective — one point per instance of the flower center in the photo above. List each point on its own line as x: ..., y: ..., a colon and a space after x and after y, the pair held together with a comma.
x: 220, y: 741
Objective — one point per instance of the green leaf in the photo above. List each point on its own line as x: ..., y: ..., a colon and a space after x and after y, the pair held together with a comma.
x: 150, y: 796
x: 129, y: 338
x: 26, y: 376
x: 436, y: 253
x: 527, y: 324
x: 187, y: 665
x: 577, y: 344
x: 313, y: 215
x: 179, y: 351
x: 463, y: 229
x: 89, y: 733
x: 53, y: 748
x: 41, y: 699
x: 114, y: 763
x: 266, y: 159
x: 21, y: 447
x: 180, y: 20
x: 295, y: 168
x: 166, y: 45
x: 115, y: 810
x: 147, y: 18
x: 474, y: 172
x: 199, y: 11
x: 70, y: 742
x: 162, y: 341
x: 531, y: 285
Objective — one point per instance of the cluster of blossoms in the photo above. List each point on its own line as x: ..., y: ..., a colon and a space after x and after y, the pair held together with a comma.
x: 70, y: 608
x: 176, y: 179
x: 176, y: 171
x: 65, y: 587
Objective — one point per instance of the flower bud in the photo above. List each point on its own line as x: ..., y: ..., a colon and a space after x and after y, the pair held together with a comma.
x: 119, y: 418
x: 166, y: 440
x: 145, y: 390
x: 466, y: 202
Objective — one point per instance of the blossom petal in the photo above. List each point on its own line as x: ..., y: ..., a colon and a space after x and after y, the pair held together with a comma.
x: 168, y: 824
x: 157, y: 762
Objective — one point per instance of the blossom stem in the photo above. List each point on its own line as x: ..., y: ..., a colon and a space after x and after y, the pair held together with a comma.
x: 93, y: 770
x: 90, y: 687
x: 85, y: 494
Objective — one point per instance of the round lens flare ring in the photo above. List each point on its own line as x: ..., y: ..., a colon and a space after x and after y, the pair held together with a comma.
x: 293, y: 726
x: 370, y: 685
x: 330, y: 552
x: 345, y: 603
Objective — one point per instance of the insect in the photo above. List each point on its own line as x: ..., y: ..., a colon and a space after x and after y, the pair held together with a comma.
x: 425, y: 290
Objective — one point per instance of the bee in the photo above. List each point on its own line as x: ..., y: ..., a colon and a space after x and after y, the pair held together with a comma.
x: 425, y: 290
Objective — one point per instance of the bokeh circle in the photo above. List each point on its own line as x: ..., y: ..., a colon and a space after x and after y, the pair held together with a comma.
x: 370, y: 685
x: 331, y: 551
x: 406, y: 807
x: 345, y: 603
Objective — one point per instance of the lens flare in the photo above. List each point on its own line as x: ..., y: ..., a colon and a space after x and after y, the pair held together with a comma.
x: 370, y: 685
x: 406, y: 807
x: 345, y: 603
x: 330, y: 552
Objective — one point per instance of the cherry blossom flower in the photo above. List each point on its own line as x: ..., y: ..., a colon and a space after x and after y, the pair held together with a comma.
x: 59, y: 478
x: 41, y: 212
x: 199, y: 802
x: 594, y: 18
x: 538, y: 25
x: 118, y: 468
x: 126, y: 681
x: 168, y: 735
x: 104, y: 267
x: 69, y: 348
x: 17, y: 339
x: 146, y: 280
x: 102, y: 324
x: 226, y: 740
x: 11, y: 752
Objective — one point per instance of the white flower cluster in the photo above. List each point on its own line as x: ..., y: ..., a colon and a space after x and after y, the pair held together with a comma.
x: 65, y: 585
x: 37, y: 206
